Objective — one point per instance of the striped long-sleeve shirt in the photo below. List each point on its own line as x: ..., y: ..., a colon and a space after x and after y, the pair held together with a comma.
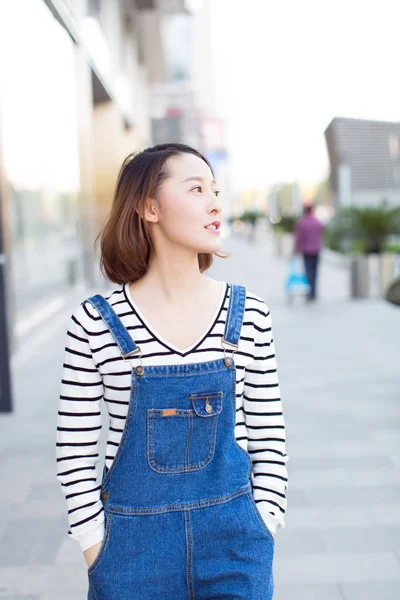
x: 94, y: 372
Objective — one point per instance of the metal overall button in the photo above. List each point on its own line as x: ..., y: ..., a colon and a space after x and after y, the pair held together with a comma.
x: 207, y: 403
x: 228, y: 360
x: 139, y: 369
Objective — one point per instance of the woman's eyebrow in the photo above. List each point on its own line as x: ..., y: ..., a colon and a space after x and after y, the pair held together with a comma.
x: 193, y: 177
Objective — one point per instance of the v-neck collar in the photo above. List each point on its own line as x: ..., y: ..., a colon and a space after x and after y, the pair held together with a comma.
x: 163, y: 341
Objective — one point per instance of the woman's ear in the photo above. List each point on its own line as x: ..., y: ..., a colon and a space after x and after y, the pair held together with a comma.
x: 150, y: 212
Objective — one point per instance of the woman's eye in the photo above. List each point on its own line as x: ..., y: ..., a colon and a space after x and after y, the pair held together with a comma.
x: 198, y: 187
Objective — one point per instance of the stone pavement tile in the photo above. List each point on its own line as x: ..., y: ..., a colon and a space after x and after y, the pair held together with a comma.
x: 291, y: 541
x: 19, y: 597
x: 14, y: 489
x: 307, y: 592
x: 28, y: 541
x: 389, y: 419
x: 372, y: 538
x: 386, y: 515
x: 339, y: 567
x: 26, y: 449
x: 332, y: 449
x: 69, y: 553
x: 8, y: 424
x: 389, y: 440
x: 337, y: 462
x: 45, y: 500
x: 332, y: 517
x: 384, y: 590
x: 342, y: 477
x: 33, y: 467
x: 337, y: 539
x: 47, y: 582
x: 323, y: 435
x: 353, y: 495
x: 298, y: 498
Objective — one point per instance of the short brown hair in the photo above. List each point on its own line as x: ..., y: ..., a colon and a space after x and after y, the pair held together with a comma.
x: 125, y: 239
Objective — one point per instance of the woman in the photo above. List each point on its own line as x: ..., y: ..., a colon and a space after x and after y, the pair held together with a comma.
x: 194, y: 478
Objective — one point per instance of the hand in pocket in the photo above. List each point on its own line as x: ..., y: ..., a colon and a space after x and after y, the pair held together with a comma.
x: 91, y: 553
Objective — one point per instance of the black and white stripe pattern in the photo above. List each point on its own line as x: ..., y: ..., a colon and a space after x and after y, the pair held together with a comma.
x: 93, y: 371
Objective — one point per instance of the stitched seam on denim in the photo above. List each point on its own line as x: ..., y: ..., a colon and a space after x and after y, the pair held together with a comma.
x: 236, y: 320
x: 205, y: 394
x: 113, y: 322
x: 183, y: 506
x: 229, y: 313
x: 125, y: 434
x: 215, y: 412
x: 100, y: 555
x: 239, y: 314
x: 211, y: 395
x: 189, y: 554
x: 233, y: 396
x: 191, y: 467
x: 156, y: 413
x: 185, y: 373
x: 92, y: 594
x: 259, y: 518
x: 190, y: 424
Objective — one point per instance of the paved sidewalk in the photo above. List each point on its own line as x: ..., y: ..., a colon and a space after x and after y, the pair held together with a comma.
x: 339, y: 381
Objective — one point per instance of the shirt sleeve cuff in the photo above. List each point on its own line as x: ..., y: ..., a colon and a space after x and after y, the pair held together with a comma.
x: 271, y: 522
x: 92, y: 537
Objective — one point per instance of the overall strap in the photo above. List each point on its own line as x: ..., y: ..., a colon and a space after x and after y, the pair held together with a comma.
x: 118, y: 330
x: 234, y: 319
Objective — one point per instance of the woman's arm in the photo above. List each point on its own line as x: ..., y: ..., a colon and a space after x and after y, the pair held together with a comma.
x: 265, y: 424
x: 78, y: 431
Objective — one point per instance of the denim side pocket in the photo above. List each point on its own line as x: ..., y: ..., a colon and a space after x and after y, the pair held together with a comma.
x: 259, y: 518
x: 100, y: 554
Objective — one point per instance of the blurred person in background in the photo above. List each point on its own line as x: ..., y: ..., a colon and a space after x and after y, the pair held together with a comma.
x: 308, y: 242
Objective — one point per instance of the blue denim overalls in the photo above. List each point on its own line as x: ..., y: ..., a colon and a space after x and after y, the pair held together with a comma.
x: 180, y: 519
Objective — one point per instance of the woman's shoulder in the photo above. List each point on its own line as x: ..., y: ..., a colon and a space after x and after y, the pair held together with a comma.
x: 255, y: 303
x: 86, y: 312
x: 256, y: 309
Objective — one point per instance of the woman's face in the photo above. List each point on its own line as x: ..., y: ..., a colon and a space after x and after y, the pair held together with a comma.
x: 187, y: 202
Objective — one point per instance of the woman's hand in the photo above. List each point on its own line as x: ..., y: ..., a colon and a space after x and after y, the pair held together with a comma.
x: 91, y: 553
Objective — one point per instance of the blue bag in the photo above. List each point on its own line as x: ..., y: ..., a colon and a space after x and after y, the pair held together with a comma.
x: 296, y: 282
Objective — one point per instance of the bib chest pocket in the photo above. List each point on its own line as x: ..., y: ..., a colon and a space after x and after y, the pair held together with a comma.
x: 183, y: 440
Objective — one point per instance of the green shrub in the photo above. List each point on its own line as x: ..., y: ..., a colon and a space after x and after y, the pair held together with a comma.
x: 364, y: 229
x: 251, y: 216
x: 391, y: 247
x: 286, y: 224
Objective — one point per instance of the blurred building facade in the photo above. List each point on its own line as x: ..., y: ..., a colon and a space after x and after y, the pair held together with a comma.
x: 364, y: 161
x: 284, y: 199
x: 75, y: 88
x: 183, y: 103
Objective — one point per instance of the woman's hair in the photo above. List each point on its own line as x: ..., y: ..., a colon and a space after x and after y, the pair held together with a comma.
x: 125, y: 239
